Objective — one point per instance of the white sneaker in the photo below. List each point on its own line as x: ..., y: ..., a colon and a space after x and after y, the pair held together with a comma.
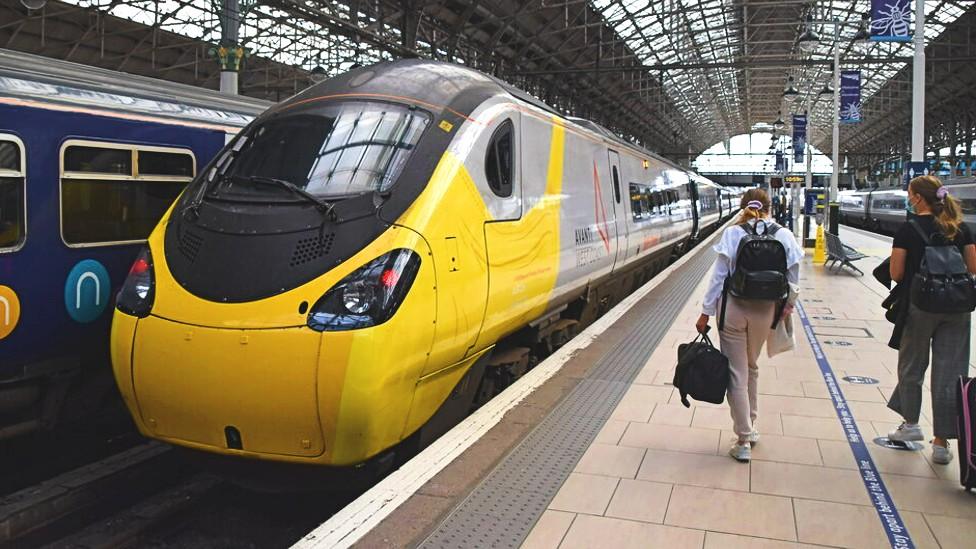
x: 906, y: 432
x: 941, y: 454
x: 741, y: 452
x: 753, y: 437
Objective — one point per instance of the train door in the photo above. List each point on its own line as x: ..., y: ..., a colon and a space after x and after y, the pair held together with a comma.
x: 619, y: 210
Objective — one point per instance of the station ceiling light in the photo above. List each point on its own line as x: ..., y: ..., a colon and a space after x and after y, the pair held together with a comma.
x: 809, y: 39
x: 33, y: 4
x: 862, y: 37
x: 790, y: 91
x: 779, y: 122
x: 827, y: 90
x: 317, y: 74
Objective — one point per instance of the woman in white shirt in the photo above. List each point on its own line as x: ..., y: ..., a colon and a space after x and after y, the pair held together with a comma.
x: 747, y: 322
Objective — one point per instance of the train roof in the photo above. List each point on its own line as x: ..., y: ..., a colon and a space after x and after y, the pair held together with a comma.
x: 37, y: 78
x: 454, y: 88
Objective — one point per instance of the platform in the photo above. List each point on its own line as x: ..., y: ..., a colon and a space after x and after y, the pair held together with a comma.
x: 602, y: 453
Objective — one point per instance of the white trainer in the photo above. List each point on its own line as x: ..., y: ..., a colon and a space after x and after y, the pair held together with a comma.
x: 753, y: 437
x: 906, y: 432
x: 741, y: 452
x: 941, y: 454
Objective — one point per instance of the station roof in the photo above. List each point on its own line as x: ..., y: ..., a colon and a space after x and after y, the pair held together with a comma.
x: 674, y: 75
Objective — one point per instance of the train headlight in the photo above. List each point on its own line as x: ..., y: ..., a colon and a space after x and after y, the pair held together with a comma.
x: 368, y: 296
x: 136, y: 296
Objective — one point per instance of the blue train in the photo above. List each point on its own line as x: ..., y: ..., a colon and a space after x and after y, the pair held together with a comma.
x: 89, y: 161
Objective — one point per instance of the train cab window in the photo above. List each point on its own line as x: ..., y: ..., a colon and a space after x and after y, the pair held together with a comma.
x: 116, y: 193
x: 499, y: 161
x: 13, y: 226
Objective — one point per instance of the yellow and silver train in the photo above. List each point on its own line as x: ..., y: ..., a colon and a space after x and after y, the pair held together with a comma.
x: 369, y: 259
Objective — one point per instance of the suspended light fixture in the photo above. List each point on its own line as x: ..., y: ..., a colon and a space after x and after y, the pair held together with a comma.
x: 790, y: 91
x: 827, y: 90
x: 809, y: 38
x: 862, y: 37
x: 779, y: 122
x: 317, y: 74
x: 33, y: 4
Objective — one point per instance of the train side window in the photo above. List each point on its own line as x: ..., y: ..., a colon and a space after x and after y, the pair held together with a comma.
x: 116, y: 193
x: 13, y: 205
x: 98, y: 160
x: 636, y: 207
x: 500, y: 161
x: 165, y: 164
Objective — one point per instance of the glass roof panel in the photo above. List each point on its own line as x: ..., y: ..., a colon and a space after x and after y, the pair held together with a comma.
x: 733, y: 56
x: 728, y: 45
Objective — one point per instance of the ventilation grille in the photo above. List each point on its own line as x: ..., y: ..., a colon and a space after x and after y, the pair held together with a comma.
x: 310, y: 249
x: 190, y: 245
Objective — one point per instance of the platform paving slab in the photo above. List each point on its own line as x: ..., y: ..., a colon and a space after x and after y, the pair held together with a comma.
x: 802, y: 488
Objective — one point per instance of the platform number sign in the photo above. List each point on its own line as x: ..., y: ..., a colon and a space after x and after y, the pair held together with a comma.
x: 87, y: 291
x: 9, y: 311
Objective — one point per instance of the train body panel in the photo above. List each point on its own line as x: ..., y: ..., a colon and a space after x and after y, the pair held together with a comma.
x: 103, y: 155
x: 509, y: 213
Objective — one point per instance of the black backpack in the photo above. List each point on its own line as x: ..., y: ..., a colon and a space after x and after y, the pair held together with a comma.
x: 702, y: 372
x: 942, y: 283
x: 760, y: 269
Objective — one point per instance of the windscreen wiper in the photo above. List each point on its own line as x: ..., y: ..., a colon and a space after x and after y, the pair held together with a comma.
x: 323, y: 206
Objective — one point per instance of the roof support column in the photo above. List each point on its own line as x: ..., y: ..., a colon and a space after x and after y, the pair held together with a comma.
x: 918, y: 85
x: 228, y: 51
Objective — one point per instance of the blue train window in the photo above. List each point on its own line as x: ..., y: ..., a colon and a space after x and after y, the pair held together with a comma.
x: 115, y: 193
x: 13, y: 207
x: 98, y: 160
x: 165, y: 164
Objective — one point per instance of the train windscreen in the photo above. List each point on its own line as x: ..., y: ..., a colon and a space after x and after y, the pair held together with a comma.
x: 337, y: 150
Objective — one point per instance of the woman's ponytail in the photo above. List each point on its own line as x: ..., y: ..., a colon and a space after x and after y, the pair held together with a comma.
x: 949, y: 218
x: 754, y: 204
x: 945, y: 207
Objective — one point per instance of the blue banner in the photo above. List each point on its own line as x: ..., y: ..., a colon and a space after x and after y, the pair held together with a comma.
x: 780, y: 162
x: 799, y: 137
x: 891, y: 20
x: 913, y: 170
x: 850, y: 96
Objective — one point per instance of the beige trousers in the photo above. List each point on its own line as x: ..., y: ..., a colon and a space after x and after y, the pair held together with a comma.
x: 747, y: 325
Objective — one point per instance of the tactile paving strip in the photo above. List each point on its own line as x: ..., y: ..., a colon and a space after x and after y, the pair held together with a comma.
x: 502, y: 510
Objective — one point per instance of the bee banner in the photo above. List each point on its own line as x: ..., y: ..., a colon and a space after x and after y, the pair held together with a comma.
x: 799, y: 137
x: 891, y: 20
x: 850, y: 96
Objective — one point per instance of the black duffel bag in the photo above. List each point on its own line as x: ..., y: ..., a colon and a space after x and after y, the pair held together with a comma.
x: 702, y: 372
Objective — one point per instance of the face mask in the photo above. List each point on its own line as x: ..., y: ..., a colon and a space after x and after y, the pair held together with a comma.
x: 909, y: 207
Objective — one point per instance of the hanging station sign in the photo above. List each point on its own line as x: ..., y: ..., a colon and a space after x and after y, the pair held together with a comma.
x: 891, y: 20
x: 799, y: 137
x: 780, y: 161
x: 850, y: 96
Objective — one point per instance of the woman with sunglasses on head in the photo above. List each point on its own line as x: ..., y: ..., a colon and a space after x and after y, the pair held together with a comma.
x: 747, y: 321
x: 917, y: 333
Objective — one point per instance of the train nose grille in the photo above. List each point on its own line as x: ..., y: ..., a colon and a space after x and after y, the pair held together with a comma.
x: 310, y: 249
x: 190, y: 245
